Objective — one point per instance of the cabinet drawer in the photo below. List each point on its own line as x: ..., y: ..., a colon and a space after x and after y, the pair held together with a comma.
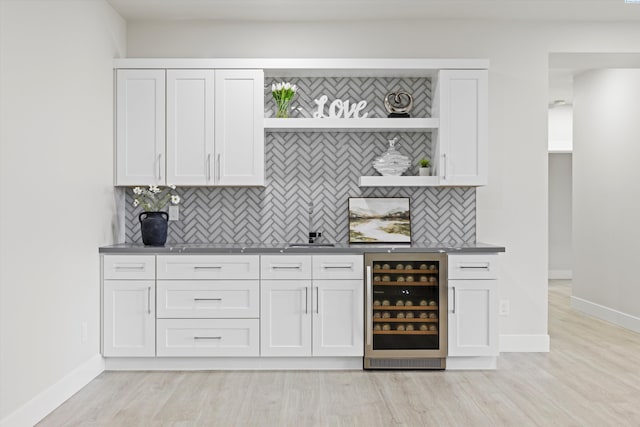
x: 197, y: 299
x: 208, y: 266
x: 285, y: 267
x: 483, y: 266
x: 207, y: 337
x: 337, y: 267
x: 129, y: 267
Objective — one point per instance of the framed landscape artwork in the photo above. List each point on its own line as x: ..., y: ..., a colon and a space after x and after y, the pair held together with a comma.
x: 379, y: 220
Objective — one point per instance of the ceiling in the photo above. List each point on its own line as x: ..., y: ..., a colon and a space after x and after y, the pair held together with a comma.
x: 321, y: 10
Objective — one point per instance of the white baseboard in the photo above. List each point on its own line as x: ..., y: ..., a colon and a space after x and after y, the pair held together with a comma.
x: 605, y: 313
x: 44, y: 403
x: 524, y: 343
x: 560, y: 274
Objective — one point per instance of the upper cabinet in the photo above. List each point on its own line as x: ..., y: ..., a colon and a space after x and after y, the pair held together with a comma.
x: 140, y: 138
x: 213, y: 121
x: 462, y: 102
x: 240, y: 127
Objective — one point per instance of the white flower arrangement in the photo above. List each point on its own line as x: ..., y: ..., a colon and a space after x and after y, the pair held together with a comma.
x: 282, y: 94
x: 154, y: 199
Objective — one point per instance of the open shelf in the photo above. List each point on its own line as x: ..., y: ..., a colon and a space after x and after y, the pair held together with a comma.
x: 399, y: 181
x: 351, y: 125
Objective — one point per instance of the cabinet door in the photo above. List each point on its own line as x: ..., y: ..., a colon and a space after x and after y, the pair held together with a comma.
x: 462, y: 137
x: 239, y: 133
x: 285, y: 321
x: 129, y: 318
x: 140, y: 127
x: 190, y: 104
x: 338, y: 318
x: 473, y: 318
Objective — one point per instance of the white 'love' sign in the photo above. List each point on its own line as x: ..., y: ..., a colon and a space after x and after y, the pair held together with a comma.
x: 340, y: 108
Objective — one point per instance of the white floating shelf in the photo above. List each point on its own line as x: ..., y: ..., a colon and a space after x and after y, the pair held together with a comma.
x: 351, y: 125
x: 399, y: 181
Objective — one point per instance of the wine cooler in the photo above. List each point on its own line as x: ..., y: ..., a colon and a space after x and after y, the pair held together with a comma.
x: 406, y: 311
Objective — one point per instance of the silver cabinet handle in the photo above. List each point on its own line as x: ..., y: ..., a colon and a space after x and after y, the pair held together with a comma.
x: 369, y: 305
x: 474, y: 267
x: 207, y: 338
x: 444, y: 173
x: 207, y: 299
x: 338, y: 267
x: 317, y: 300
x: 208, y: 167
x: 160, y: 167
x: 207, y: 267
x: 286, y: 267
x: 129, y: 267
x: 218, y: 168
x: 149, y: 300
x: 454, y: 300
x: 306, y: 300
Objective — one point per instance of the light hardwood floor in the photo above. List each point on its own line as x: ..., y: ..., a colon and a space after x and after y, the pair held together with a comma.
x: 591, y: 377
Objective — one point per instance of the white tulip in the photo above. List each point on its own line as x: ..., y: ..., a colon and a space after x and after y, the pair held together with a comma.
x: 294, y: 88
x: 273, y: 87
x: 287, y: 86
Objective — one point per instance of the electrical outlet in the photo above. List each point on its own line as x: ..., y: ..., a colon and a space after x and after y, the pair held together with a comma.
x: 84, y: 334
x: 504, y: 307
x: 174, y: 213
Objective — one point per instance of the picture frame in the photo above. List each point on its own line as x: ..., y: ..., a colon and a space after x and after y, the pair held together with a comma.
x: 380, y: 220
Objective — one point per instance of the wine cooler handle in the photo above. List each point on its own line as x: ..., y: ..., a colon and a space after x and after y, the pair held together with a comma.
x: 369, y: 331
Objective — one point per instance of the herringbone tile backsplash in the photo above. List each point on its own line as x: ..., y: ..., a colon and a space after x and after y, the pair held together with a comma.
x: 322, y: 168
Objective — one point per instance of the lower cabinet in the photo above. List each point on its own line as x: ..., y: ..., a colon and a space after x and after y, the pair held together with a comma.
x: 473, y: 305
x: 129, y: 318
x: 473, y: 318
x: 312, y: 306
x: 319, y: 318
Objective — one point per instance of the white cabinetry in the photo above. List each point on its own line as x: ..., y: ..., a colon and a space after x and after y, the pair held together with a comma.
x: 312, y: 314
x: 140, y: 137
x: 214, y: 124
x: 128, y: 297
x: 208, y: 305
x: 473, y: 311
x: 239, y: 127
x: 190, y: 127
x: 462, y: 102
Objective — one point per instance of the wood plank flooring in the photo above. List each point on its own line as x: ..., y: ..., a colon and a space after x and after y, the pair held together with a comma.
x: 590, y: 378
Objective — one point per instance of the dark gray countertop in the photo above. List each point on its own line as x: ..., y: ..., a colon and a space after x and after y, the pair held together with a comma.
x: 270, y: 248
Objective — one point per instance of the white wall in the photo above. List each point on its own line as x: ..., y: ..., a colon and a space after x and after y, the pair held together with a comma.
x: 512, y: 209
x: 56, y: 186
x: 606, y: 185
x: 560, y: 255
x: 561, y: 128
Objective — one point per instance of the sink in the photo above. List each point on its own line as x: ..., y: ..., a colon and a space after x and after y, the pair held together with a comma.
x: 311, y: 245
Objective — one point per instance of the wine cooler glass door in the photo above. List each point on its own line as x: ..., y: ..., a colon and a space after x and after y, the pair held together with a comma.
x: 406, y: 305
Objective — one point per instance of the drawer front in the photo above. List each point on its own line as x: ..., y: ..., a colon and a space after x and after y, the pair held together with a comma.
x: 197, y: 299
x: 208, y: 337
x: 129, y: 267
x: 338, y: 267
x: 285, y: 267
x: 208, y: 267
x: 483, y: 266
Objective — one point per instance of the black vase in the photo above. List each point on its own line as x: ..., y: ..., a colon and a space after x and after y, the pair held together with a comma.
x: 153, y: 226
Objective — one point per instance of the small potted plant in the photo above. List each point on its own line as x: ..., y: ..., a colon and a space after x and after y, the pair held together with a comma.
x: 425, y: 170
x: 154, y: 221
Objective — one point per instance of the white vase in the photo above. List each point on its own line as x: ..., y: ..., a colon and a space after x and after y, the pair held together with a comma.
x: 425, y: 171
